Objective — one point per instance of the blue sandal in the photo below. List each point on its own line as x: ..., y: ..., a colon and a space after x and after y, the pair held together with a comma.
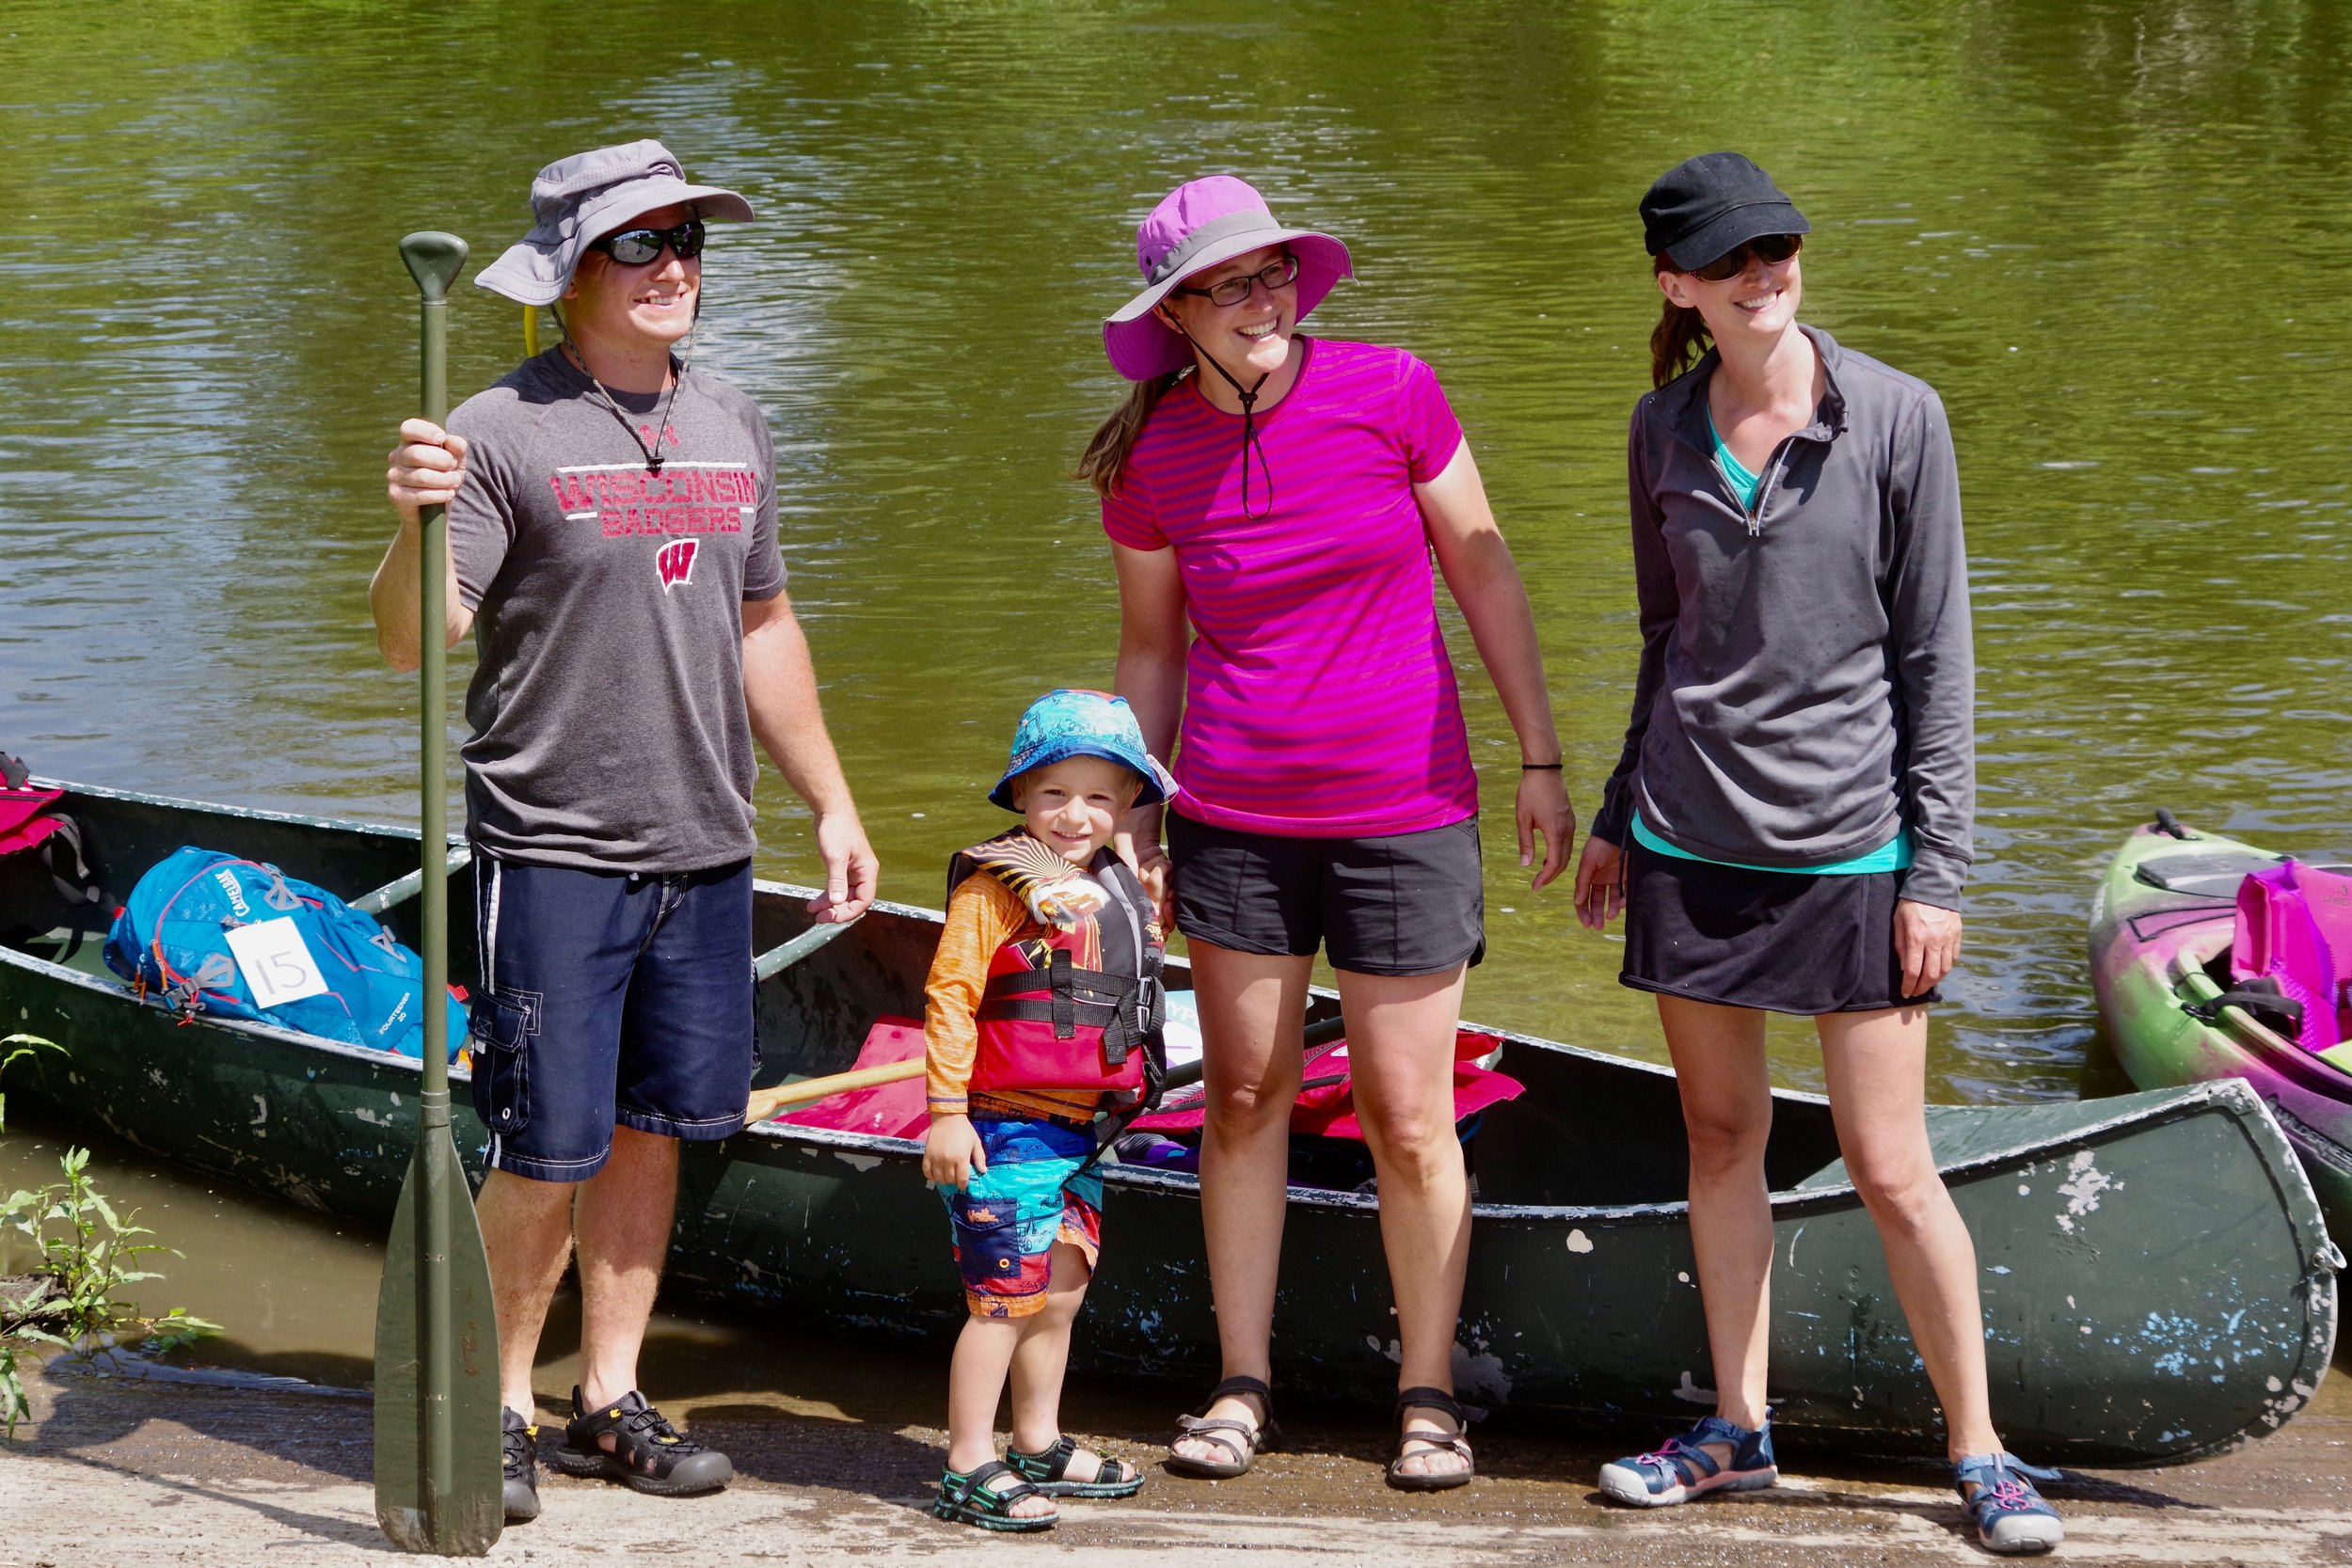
x: 2011, y: 1517
x: 971, y: 1501
x: 1680, y: 1470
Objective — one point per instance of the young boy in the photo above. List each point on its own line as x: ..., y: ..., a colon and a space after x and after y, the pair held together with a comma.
x: 1042, y: 1009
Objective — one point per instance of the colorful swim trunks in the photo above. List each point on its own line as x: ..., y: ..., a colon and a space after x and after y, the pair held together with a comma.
x: 1031, y: 1195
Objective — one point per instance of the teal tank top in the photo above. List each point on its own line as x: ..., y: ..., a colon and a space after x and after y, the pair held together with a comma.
x: 1744, y: 483
x: 1893, y: 855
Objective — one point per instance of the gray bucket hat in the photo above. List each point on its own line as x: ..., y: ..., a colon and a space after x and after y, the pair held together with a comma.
x: 587, y: 195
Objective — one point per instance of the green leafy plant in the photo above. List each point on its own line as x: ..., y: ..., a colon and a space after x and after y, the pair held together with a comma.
x: 87, y: 1256
x: 25, y: 1045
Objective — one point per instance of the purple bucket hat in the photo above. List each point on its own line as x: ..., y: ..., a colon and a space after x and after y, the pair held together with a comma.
x: 1200, y: 224
x: 586, y: 197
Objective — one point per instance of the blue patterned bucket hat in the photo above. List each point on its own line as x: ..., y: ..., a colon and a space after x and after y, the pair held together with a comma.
x: 1069, y: 724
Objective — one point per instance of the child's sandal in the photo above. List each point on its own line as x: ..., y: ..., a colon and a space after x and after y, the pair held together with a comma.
x: 1440, y: 1442
x: 1255, y: 1438
x: 1048, y: 1471
x: 969, y: 1500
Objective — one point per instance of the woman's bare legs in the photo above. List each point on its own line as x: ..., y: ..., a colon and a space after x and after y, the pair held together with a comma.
x: 1877, y: 1068
x: 1253, y: 1009
x: 1728, y: 1113
x: 1400, y: 1032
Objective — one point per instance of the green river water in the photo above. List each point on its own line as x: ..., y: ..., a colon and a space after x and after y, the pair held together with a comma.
x: 2118, y: 237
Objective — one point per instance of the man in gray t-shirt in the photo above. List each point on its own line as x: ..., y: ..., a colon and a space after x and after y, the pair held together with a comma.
x: 612, y: 546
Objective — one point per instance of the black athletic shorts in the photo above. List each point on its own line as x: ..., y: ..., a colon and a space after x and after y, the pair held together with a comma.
x: 1780, y: 941
x: 1403, y: 904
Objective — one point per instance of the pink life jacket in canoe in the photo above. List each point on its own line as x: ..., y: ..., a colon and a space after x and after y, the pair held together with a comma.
x: 2295, y: 932
x: 1079, y: 1007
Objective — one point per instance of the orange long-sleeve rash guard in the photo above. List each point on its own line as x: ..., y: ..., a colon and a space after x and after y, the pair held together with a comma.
x: 983, y: 915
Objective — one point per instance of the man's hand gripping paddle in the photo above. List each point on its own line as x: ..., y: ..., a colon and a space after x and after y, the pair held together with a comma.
x: 438, y: 1483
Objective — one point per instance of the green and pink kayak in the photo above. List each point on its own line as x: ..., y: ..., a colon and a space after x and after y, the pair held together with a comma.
x: 2161, y: 933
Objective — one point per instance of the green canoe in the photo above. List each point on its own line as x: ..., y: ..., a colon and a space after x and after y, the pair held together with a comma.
x: 2160, y: 935
x: 2156, y: 1282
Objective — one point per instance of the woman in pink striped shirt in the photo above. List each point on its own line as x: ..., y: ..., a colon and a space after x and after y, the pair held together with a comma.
x: 1273, y: 503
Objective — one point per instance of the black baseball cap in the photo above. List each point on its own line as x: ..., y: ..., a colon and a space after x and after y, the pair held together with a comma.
x: 1708, y: 206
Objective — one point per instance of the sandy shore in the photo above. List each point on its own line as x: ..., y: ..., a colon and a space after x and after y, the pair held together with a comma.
x: 127, y: 1472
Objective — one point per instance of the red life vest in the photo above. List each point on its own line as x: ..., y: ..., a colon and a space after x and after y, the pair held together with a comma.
x: 1080, y: 1008
x: 52, y: 843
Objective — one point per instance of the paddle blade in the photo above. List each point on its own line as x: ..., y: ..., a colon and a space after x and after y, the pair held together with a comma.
x: 438, y: 1483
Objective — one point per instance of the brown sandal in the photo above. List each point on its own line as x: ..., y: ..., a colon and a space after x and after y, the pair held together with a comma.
x: 1440, y: 1481
x: 1255, y: 1440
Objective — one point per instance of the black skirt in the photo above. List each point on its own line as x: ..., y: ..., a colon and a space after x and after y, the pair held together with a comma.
x: 1781, y: 940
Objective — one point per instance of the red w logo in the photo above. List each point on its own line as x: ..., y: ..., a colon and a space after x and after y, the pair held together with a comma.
x: 674, y: 562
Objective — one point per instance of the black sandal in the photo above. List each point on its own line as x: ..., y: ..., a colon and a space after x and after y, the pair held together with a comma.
x: 971, y: 1501
x: 1048, y: 1470
x: 1440, y: 1480
x: 1255, y: 1440
x: 648, y: 1454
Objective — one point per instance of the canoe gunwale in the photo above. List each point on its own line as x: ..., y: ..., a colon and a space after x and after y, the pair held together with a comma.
x: 251, y: 814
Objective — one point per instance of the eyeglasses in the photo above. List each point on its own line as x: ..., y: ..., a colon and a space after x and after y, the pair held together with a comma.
x: 1233, y: 291
x: 1771, y: 249
x: 634, y: 247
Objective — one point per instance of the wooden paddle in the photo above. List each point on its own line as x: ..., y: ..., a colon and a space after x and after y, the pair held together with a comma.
x: 439, y: 1487
x: 766, y: 1102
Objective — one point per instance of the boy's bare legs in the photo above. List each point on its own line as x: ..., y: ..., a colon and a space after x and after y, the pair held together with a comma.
x: 976, y: 1384
x: 1253, y: 1009
x: 1035, y: 1350
x: 1401, y: 1033
x: 1727, y: 1093
x: 1877, y: 1081
x: 1042, y: 1359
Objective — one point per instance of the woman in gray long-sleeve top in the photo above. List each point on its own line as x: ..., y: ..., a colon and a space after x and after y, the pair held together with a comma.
x: 1787, y: 829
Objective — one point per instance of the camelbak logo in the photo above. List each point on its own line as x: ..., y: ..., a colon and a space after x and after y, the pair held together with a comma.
x: 674, y: 562
x: 236, y: 894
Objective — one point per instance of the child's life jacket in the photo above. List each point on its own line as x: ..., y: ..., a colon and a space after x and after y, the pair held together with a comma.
x: 1079, y: 1007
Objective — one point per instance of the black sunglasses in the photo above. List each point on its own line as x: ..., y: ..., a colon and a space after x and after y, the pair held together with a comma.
x: 1233, y: 291
x: 634, y: 247
x: 1771, y: 249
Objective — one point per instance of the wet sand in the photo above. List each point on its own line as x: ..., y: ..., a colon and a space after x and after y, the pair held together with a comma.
x: 125, y: 1471
x: 837, y: 1448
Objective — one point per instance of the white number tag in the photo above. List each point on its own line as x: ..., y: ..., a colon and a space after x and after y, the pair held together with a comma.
x: 276, y: 962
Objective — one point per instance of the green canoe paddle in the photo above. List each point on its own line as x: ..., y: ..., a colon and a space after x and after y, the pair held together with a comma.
x: 438, y: 1483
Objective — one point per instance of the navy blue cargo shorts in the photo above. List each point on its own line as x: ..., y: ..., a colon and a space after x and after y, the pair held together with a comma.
x: 609, y: 998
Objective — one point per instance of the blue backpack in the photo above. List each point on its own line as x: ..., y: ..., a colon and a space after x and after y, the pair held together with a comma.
x: 172, y: 939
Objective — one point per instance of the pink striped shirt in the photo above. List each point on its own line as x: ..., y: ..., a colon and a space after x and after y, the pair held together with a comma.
x: 1319, y: 700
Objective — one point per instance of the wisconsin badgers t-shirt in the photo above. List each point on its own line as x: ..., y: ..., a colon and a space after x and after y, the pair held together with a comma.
x: 610, y: 731
x: 1319, y: 699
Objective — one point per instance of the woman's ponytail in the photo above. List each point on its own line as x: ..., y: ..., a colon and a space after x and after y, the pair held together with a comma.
x: 1680, y: 338
x: 1105, y: 457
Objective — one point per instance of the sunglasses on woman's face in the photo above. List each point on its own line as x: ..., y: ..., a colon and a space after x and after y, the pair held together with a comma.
x: 634, y: 247
x: 1771, y: 249
x: 1233, y: 291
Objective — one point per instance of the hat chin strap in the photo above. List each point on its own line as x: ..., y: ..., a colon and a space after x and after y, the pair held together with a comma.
x: 1249, y: 438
